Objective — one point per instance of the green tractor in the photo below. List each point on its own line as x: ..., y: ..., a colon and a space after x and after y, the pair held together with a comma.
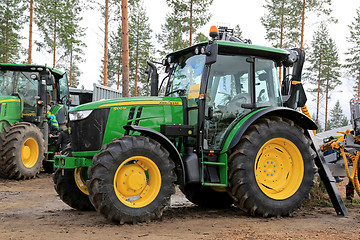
x: 225, y: 132
x: 27, y: 93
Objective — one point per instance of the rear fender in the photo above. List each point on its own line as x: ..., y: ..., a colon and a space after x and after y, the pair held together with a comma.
x: 239, y: 129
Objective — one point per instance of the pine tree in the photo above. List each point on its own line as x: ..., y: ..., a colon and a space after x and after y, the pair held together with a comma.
x: 31, y: 19
x: 337, y: 118
x: 70, y: 39
x: 353, y: 53
x: 113, y: 12
x: 115, y: 59
x: 282, y: 22
x: 285, y: 20
x: 47, y: 17
x: 320, y: 7
x: 125, y: 48
x: 237, y: 31
x: 200, y: 37
x: 182, y: 23
x: 171, y: 36
x: 106, y: 34
x: 318, y: 124
x: 324, y: 70
x: 11, y: 22
x: 141, y: 48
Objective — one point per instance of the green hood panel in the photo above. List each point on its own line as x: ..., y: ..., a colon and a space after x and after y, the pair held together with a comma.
x: 10, y: 107
x: 131, y: 101
x: 150, y: 112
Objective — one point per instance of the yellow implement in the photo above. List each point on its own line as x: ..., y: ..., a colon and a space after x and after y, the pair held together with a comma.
x: 354, y: 175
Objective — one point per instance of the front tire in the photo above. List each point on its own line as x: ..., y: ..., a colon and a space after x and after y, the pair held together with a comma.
x: 271, y: 169
x: 22, y: 151
x: 131, y: 180
x: 70, y: 184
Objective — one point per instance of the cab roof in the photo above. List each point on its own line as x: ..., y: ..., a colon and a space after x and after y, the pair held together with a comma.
x: 227, y: 47
x: 28, y: 68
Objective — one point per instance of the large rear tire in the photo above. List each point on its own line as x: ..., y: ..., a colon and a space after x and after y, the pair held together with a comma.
x: 22, y: 151
x: 71, y: 187
x: 272, y: 169
x: 131, y: 180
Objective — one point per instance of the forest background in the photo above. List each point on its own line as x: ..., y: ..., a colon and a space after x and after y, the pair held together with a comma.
x: 247, y: 15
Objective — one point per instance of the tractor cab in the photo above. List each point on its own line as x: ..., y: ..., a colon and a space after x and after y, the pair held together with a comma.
x: 36, y: 89
x: 236, y: 85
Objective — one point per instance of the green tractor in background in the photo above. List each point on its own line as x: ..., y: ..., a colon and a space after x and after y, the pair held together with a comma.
x: 225, y: 132
x: 27, y: 93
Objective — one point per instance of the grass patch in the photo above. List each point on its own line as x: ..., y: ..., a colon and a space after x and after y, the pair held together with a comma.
x: 318, y: 196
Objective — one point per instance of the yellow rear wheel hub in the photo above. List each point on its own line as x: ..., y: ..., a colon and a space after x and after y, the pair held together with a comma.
x: 279, y: 168
x: 29, y: 152
x: 137, y: 181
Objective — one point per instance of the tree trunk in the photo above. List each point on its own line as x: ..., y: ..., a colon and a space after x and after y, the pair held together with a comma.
x: 302, y: 25
x: 191, y: 19
x: 326, y: 102
x: 106, y: 41
x: 136, y: 64
x: 318, y: 94
x: 282, y: 24
x: 54, y: 54
x: 281, y: 34
x: 7, y: 41
x: 30, y: 31
x: 125, y: 48
x: 118, y: 78
x: 71, y: 66
x: 359, y: 85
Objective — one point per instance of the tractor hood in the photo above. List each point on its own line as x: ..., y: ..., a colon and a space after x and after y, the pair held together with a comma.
x: 94, y: 124
x: 131, y: 101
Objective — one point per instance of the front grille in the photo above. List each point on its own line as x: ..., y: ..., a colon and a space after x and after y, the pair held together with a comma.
x: 87, y: 134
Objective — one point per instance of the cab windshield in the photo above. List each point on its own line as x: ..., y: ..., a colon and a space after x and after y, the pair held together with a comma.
x: 186, y: 77
x: 21, y: 83
x: 6, y: 82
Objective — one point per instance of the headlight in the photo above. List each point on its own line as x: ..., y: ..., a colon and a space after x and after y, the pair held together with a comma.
x: 79, y: 115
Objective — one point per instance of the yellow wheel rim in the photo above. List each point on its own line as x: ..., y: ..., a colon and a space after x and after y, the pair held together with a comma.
x: 279, y: 168
x: 29, y: 152
x: 137, y: 181
x: 80, y: 176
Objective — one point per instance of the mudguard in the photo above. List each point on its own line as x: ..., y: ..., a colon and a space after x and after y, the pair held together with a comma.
x: 299, y: 119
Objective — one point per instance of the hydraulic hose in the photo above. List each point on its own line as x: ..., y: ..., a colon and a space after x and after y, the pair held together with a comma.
x: 355, y: 171
x: 306, y: 112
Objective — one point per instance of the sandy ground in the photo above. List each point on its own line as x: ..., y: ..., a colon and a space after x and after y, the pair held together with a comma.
x: 32, y: 210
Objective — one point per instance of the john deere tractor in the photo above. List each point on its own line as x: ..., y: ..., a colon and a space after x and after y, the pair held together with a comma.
x: 27, y: 93
x: 224, y: 131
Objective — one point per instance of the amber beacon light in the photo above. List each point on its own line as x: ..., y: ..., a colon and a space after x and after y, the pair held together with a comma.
x: 214, y: 31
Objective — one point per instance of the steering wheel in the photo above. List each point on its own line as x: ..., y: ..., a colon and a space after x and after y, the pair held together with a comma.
x: 239, y: 99
x: 233, y: 107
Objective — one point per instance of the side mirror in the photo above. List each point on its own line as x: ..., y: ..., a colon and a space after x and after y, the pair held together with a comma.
x: 154, y: 76
x: 211, y: 53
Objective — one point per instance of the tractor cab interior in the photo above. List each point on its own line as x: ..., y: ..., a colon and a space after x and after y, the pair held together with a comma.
x: 229, y: 89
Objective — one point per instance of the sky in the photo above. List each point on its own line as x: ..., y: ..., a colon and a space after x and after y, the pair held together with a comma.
x: 230, y: 12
